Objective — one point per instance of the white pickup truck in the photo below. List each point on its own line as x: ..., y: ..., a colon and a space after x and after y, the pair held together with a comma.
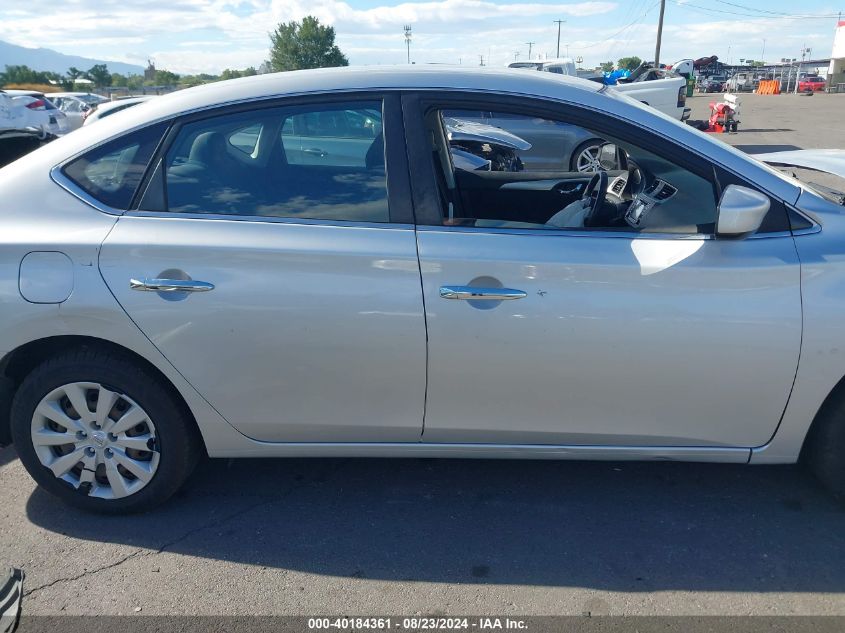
x: 665, y: 92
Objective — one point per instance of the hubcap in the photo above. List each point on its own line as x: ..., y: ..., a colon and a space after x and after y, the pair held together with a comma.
x: 97, y: 440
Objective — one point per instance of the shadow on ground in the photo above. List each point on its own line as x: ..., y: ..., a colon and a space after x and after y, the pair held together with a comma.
x: 623, y: 527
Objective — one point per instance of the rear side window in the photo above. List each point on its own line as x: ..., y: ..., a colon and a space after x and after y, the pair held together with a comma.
x: 319, y: 162
x: 112, y: 172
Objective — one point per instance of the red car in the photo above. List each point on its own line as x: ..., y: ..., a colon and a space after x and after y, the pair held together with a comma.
x: 811, y: 84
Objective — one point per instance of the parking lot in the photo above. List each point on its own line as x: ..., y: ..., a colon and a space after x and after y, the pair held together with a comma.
x: 457, y: 537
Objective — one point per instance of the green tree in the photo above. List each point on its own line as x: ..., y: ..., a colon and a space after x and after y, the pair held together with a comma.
x: 606, y: 67
x: 305, y: 45
x: 73, y: 73
x: 629, y: 63
x: 166, y: 78
x: 100, y: 75
x: 24, y: 75
x: 118, y: 80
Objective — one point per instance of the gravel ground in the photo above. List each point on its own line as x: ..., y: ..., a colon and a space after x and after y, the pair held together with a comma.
x: 310, y: 537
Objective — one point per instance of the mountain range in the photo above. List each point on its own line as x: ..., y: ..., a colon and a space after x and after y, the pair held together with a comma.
x: 54, y: 61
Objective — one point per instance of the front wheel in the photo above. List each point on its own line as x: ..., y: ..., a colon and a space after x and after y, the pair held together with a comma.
x: 102, y: 433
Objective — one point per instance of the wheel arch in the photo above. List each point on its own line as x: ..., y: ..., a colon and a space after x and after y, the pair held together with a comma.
x: 18, y: 363
x: 837, y: 393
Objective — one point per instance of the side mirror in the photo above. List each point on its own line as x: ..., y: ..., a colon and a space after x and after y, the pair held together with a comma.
x: 741, y: 211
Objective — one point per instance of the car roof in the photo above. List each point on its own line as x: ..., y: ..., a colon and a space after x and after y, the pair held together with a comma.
x: 127, y: 101
x: 23, y: 93
x: 437, y: 79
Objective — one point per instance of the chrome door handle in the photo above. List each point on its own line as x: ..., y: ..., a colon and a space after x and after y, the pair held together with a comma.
x: 170, y: 285
x: 481, y: 294
x: 316, y: 151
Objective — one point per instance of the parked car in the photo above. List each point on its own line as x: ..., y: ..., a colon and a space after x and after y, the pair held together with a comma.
x: 812, y: 84
x: 711, y: 85
x: 102, y: 110
x: 76, y: 105
x: 20, y: 132
x: 44, y: 114
x: 169, y: 288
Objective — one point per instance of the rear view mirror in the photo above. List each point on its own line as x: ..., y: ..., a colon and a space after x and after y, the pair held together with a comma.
x: 741, y: 211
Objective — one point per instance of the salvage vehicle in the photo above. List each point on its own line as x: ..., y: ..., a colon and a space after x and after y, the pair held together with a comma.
x: 44, y: 114
x: 812, y: 84
x: 514, y: 143
x: 668, y: 93
x: 96, y: 112
x: 20, y: 132
x: 76, y: 105
x: 170, y: 290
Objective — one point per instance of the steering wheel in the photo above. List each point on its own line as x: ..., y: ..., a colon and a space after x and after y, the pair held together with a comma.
x: 593, y: 197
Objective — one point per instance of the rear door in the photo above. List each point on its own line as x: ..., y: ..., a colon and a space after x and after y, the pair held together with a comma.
x: 288, y: 294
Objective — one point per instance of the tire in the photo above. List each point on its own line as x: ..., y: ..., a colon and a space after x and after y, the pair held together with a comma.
x: 824, y: 449
x: 573, y: 159
x: 163, y: 448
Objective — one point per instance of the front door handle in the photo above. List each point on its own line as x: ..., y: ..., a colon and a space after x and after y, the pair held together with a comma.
x: 481, y: 294
x: 316, y: 151
x: 170, y: 285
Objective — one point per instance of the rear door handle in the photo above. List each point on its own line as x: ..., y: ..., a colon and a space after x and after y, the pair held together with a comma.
x: 481, y: 294
x: 316, y: 151
x: 170, y: 285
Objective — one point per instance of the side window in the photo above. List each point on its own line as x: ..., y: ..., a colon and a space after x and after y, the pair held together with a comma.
x: 337, y: 137
x: 290, y: 162
x: 112, y: 172
x: 513, y: 170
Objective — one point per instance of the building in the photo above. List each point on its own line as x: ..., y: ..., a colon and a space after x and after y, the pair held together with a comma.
x: 836, y: 70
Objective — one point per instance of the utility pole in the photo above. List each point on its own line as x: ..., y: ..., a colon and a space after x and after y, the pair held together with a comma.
x: 530, y: 44
x: 659, y: 34
x: 408, y: 40
x: 558, y: 22
x: 763, y: 54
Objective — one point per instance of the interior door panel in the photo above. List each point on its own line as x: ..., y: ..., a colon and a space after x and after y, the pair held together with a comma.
x: 533, y: 197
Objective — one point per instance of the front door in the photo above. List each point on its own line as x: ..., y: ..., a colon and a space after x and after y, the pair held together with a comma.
x: 606, y: 334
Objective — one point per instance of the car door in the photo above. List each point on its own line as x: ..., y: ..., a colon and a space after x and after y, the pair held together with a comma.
x: 287, y: 294
x: 663, y: 336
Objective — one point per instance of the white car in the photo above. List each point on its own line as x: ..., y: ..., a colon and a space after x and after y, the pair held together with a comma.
x: 102, y: 110
x: 76, y: 105
x: 20, y: 132
x: 44, y: 114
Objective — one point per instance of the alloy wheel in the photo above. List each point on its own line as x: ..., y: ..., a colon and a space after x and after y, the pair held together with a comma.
x: 588, y: 159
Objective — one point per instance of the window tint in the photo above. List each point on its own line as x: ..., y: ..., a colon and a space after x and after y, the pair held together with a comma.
x: 112, y: 172
x: 317, y: 162
x: 512, y: 170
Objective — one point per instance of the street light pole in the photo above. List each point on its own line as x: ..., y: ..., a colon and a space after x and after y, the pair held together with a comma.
x: 659, y: 34
x: 558, y: 22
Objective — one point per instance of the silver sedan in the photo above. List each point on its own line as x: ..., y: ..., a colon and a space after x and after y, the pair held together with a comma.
x: 295, y: 264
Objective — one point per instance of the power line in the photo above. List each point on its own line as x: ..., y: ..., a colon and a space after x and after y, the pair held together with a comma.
x: 755, y: 9
x: 624, y: 28
x: 785, y: 16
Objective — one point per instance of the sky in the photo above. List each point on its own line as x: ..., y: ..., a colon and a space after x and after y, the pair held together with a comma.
x: 191, y: 36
